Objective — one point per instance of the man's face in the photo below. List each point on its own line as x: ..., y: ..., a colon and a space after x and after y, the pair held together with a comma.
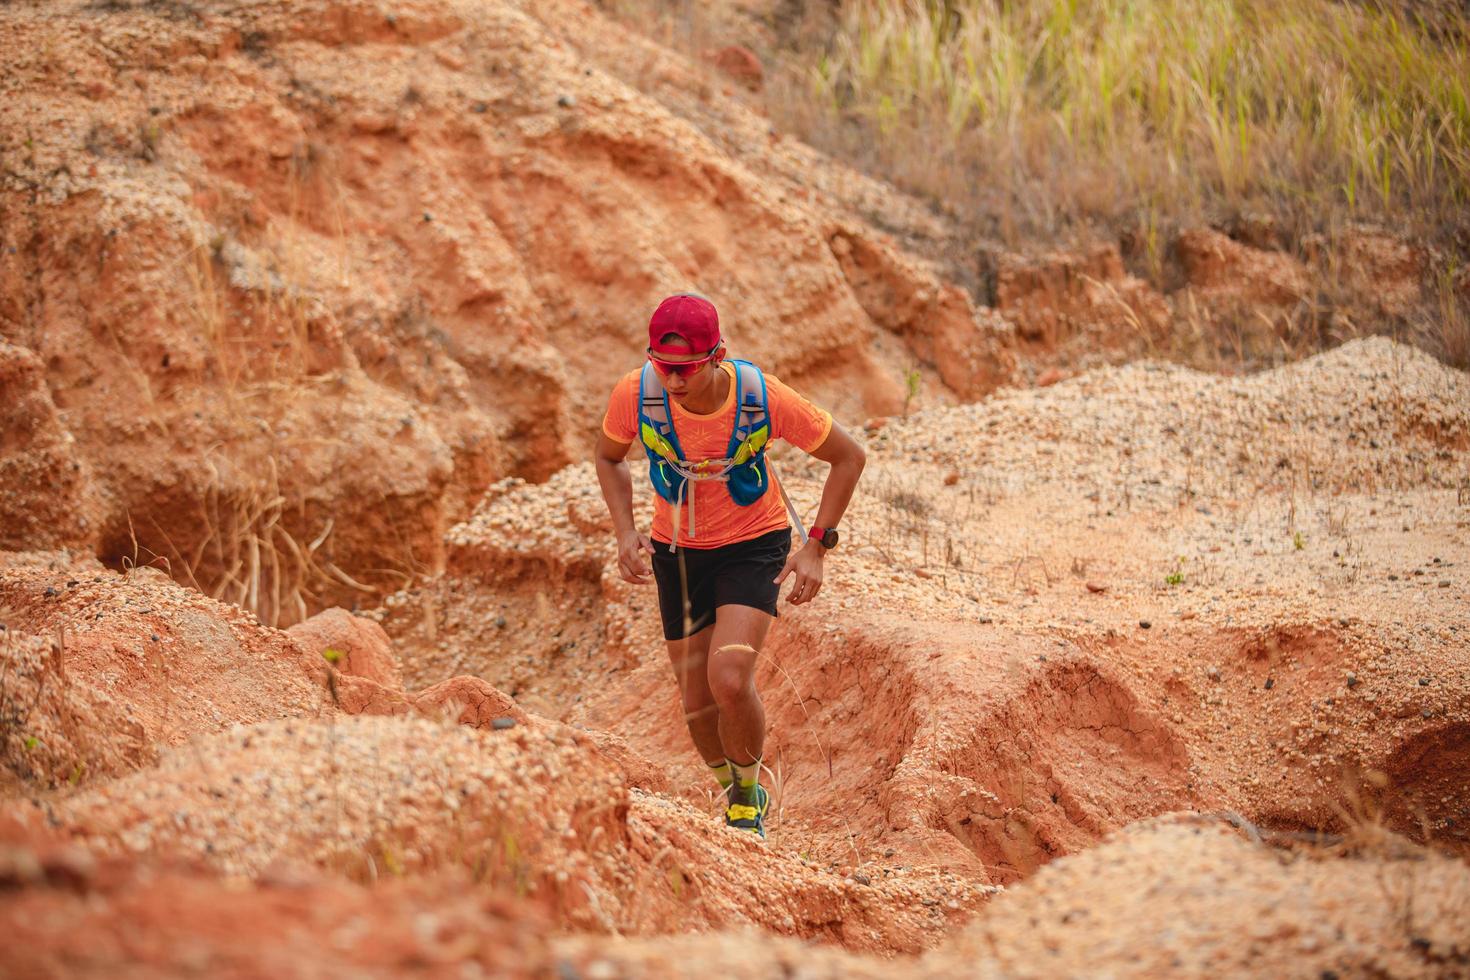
x: 696, y: 383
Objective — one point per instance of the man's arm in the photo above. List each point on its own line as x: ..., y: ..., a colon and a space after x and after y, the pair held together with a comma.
x: 617, y: 491
x: 847, y: 459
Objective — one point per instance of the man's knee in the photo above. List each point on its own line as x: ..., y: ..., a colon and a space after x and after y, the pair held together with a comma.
x: 730, y: 677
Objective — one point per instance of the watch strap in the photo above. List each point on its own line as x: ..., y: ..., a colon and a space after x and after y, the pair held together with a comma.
x: 819, y: 535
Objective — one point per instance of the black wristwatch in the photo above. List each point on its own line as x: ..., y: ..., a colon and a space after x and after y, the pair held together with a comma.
x: 825, y: 536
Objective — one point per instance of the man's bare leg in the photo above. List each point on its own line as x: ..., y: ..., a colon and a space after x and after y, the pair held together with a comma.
x: 689, y: 658
x: 739, y: 632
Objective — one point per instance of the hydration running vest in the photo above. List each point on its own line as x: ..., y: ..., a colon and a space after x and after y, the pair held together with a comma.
x: 744, y: 469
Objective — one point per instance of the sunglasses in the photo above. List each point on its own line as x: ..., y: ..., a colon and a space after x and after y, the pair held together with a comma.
x: 681, y: 369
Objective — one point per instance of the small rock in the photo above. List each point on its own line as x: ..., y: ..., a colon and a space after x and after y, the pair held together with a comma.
x: 50, y: 592
x: 501, y: 724
x: 1213, y: 673
x: 1444, y: 583
x: 566, y: 101
x: 1144, y: 624
x: 1352, y: 680
x: 1423, y: 682
x: 1096, y: 587
x: 861, y: 878
x: 1270, y: 683
x: 950, y: 479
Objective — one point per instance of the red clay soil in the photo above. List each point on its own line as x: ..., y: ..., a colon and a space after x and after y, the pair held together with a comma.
x: 351, y: 257
x: 69, y: 914
x: 308, y: 305
x: 105, y: 669
x: 932, y: 736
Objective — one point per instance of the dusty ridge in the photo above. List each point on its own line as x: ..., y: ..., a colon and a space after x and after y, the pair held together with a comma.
x: 368, y: 249
x: 1371, y: 414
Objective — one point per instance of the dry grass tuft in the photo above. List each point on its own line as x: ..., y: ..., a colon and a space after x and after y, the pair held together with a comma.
x: 1123, y: 110
x: 265, y: 335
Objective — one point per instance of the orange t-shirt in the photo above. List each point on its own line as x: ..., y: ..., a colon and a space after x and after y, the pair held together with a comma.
x: 719, y: 520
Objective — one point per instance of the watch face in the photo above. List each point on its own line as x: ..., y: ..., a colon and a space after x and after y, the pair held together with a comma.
x: 829, y: 538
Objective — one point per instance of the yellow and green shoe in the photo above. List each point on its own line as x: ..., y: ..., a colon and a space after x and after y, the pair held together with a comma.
x: 747, y: 817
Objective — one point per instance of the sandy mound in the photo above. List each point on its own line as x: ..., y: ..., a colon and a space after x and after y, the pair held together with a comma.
x: 362, y: 795
x: 1184, y: 899
x: 103, y: 669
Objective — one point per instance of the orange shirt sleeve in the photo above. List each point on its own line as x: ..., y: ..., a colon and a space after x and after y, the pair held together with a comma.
x: 620, y: 424
x: 793, y: 418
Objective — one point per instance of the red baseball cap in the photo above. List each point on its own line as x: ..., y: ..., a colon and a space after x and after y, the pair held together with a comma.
x: 692, y: 317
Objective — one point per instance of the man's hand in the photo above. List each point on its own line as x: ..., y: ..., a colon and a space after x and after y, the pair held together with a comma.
x: 807, y: 564
x: 631, y: 563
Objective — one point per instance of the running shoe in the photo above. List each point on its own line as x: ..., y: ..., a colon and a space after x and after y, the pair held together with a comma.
x: 752, y: 819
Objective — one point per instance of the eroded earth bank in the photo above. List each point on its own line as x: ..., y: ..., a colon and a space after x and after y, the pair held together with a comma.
x: 315, y: 660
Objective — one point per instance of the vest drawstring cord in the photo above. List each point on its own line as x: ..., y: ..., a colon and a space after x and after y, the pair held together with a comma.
x: 781, y: 485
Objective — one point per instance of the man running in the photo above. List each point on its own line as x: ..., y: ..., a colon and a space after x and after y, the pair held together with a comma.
x: 721, y: 543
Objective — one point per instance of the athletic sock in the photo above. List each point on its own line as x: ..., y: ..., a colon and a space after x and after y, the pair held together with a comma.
x: 746, y: 778
x: 722, y: 773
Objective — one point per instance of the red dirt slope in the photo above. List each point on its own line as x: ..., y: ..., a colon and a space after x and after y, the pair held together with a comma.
x: 346, y: 264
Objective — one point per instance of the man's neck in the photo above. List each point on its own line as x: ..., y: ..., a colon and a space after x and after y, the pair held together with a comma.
x: 715, y: 397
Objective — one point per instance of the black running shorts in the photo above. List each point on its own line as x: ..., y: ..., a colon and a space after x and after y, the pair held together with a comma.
x: 739, y: 574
